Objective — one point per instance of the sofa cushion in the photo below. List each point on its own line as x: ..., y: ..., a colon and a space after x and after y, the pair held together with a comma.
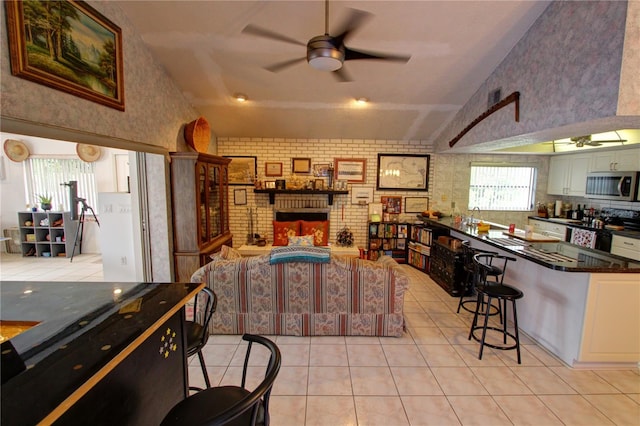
x: 283, y: 230
x: 300, y: 254
x: 319, y: 229
x: 303, y: 240
x: 226, y: 253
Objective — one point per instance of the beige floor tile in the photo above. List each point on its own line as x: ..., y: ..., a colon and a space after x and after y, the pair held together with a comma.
x: 405, y: 339
x: 329, y: 381
x: 366, y: 355
x: 364, y: 340
x: 380, y: 410
x: 458, y: 381
x: 456, y: 336
x: 218, y: 355
x: 448, y: 320
x: 478, y: 410
x: 224, y: 339
x: 418, y: 319
x: 292, y: 340
x: 543, y: 381
x: 415, y: 381
x: 436, y: 307
x: 328, y: 354
x: 500, y: 381
x: 441, y: 356
x: 327, y: 340
x: 620, y: 409
x: 330, y: 411
x: 574, y: 410
x: 545, y: 357
x: 469, y: 353
x: 287, y: 410
x: 627, y: 381
x: 291, y: 381
x: 196, y: 378
x: 584, y: 381
x: 413, y: 306
x: 526, y: 410
x: 428, y: 336
x: 429, y: 410
x: 372, y: 381
x: 634, y: 396
x: 404, y: 355
x: 295, y: 354
x: 510, y: 357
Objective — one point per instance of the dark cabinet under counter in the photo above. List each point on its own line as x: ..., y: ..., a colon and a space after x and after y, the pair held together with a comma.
x: 447, y: 268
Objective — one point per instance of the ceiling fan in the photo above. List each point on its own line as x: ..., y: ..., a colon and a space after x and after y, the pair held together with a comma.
x: 326, y: 52
x: 581, y: 141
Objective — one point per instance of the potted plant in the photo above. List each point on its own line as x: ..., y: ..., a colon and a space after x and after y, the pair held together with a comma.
x: 45, y: 202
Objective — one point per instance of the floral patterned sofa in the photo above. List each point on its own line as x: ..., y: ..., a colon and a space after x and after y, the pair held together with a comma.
x: 345, y: 296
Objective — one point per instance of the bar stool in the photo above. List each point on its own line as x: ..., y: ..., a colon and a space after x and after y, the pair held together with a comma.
x: 471, y: 274
x: 503, y: 293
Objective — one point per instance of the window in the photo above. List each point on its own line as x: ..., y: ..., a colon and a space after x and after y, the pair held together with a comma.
x: 498, y: 187
x: 46, y: 176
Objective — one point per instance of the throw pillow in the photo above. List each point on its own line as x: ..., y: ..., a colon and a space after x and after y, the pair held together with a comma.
x: 319, y: 230
x: 283, y: 230
x: 302, y: 241
x: 300, y: 254
x: 227, y: 253
x: 387, y: 260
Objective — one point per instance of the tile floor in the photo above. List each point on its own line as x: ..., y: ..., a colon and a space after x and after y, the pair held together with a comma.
x: 430, y: 376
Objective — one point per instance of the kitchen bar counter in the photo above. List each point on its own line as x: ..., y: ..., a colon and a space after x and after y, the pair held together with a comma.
x: 584, y: 309
x: 95, y: 353
x: 558, y: 255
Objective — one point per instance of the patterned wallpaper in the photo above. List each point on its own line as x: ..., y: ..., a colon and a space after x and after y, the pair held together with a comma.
x: 566, y: 68
x: 155, y: 110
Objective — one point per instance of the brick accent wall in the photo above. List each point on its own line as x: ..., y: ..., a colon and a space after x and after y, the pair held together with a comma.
x: 343, y: 212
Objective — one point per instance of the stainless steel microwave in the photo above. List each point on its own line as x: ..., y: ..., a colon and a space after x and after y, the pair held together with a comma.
x: 622, y: 186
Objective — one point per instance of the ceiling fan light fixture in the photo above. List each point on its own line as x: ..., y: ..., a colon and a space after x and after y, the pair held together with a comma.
x: 240, y: 97
x: 323, y: 55
x: 362, y: 101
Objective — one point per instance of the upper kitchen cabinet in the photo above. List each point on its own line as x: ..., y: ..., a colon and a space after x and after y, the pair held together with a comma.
x: 619, y: 160
x: 199, y: 191
x: 568, y: 174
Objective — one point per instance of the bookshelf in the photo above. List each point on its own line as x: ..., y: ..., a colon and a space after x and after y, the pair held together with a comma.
x: 419, y: 247
x: 388, y: 238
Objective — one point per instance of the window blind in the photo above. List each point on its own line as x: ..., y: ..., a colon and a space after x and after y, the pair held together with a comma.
x: 502, y: 187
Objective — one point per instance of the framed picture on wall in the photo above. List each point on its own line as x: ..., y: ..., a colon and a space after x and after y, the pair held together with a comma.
x: 272, y: 168
x: 242, y: 170
x: 408, y: 172
x: 416, y: 204
x: 321, y: 169
x: 84, y: 56
x: 353, y: 170
x: 391, y: 204
x: 239, y: 197
x: 301, y: 165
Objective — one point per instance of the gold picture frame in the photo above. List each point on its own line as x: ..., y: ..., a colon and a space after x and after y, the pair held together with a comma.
x: 91, y: 70
x: 301, y: 165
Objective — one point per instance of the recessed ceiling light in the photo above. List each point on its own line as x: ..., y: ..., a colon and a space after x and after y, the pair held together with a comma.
x: 362, y: 101
x: 240, y: 97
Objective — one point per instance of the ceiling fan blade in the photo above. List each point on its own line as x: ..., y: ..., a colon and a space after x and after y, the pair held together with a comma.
x: 355, y: 19
x: 342, y: 75
x: 263, y: 32
x: 350, y: 54
x: 282, y: 65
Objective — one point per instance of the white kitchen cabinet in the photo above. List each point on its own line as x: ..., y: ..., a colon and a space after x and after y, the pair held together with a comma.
x: 568, y: 174
x: 625, y: 246
x: 550, y: 229
x: 620, y: 160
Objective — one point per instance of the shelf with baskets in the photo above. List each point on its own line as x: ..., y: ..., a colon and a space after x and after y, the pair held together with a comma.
x: 388, y: 238
x: 419, y: 247
x: 47, y: 234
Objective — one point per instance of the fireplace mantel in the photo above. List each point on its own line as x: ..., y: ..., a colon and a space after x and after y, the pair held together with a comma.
x: 272, y: 193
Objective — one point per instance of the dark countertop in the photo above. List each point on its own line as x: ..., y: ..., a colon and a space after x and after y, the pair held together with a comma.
x: 578, y: 224
x: 559, y: 255
x: 82, y: 328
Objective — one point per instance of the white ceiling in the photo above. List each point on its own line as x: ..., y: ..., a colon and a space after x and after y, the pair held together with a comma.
x: 454, y: 47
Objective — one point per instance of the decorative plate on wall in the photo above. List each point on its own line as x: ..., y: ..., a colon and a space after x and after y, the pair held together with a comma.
x: 16, y: 150
x: 88, y: 153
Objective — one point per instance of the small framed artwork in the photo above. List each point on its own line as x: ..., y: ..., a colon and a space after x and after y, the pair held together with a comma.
x: 391, y: 205
x: 321, y: 169
x: 239, y: 197
x: 407, y: 172
x: 272, y: 169
x: 416, y: 204
x: 242, y: 169
x: 301, y: 165
x: 353, y: 170
x: 362, y: 196
x: 318, y: 184
x: 68, y: 46
x: 270, y: 184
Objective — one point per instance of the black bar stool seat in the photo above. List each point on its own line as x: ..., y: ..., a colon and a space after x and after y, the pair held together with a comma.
x: 503, y: 293
x: 469, y: 285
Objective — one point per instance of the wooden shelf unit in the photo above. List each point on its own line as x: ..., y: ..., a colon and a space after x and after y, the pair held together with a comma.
x: 40, y: 238
x: 419, y: 247
x: 387, y: 238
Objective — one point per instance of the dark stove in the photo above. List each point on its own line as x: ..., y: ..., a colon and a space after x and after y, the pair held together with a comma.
x: 630, y: 219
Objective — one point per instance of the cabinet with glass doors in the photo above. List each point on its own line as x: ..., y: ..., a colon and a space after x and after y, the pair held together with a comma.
x: 199, y: 187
